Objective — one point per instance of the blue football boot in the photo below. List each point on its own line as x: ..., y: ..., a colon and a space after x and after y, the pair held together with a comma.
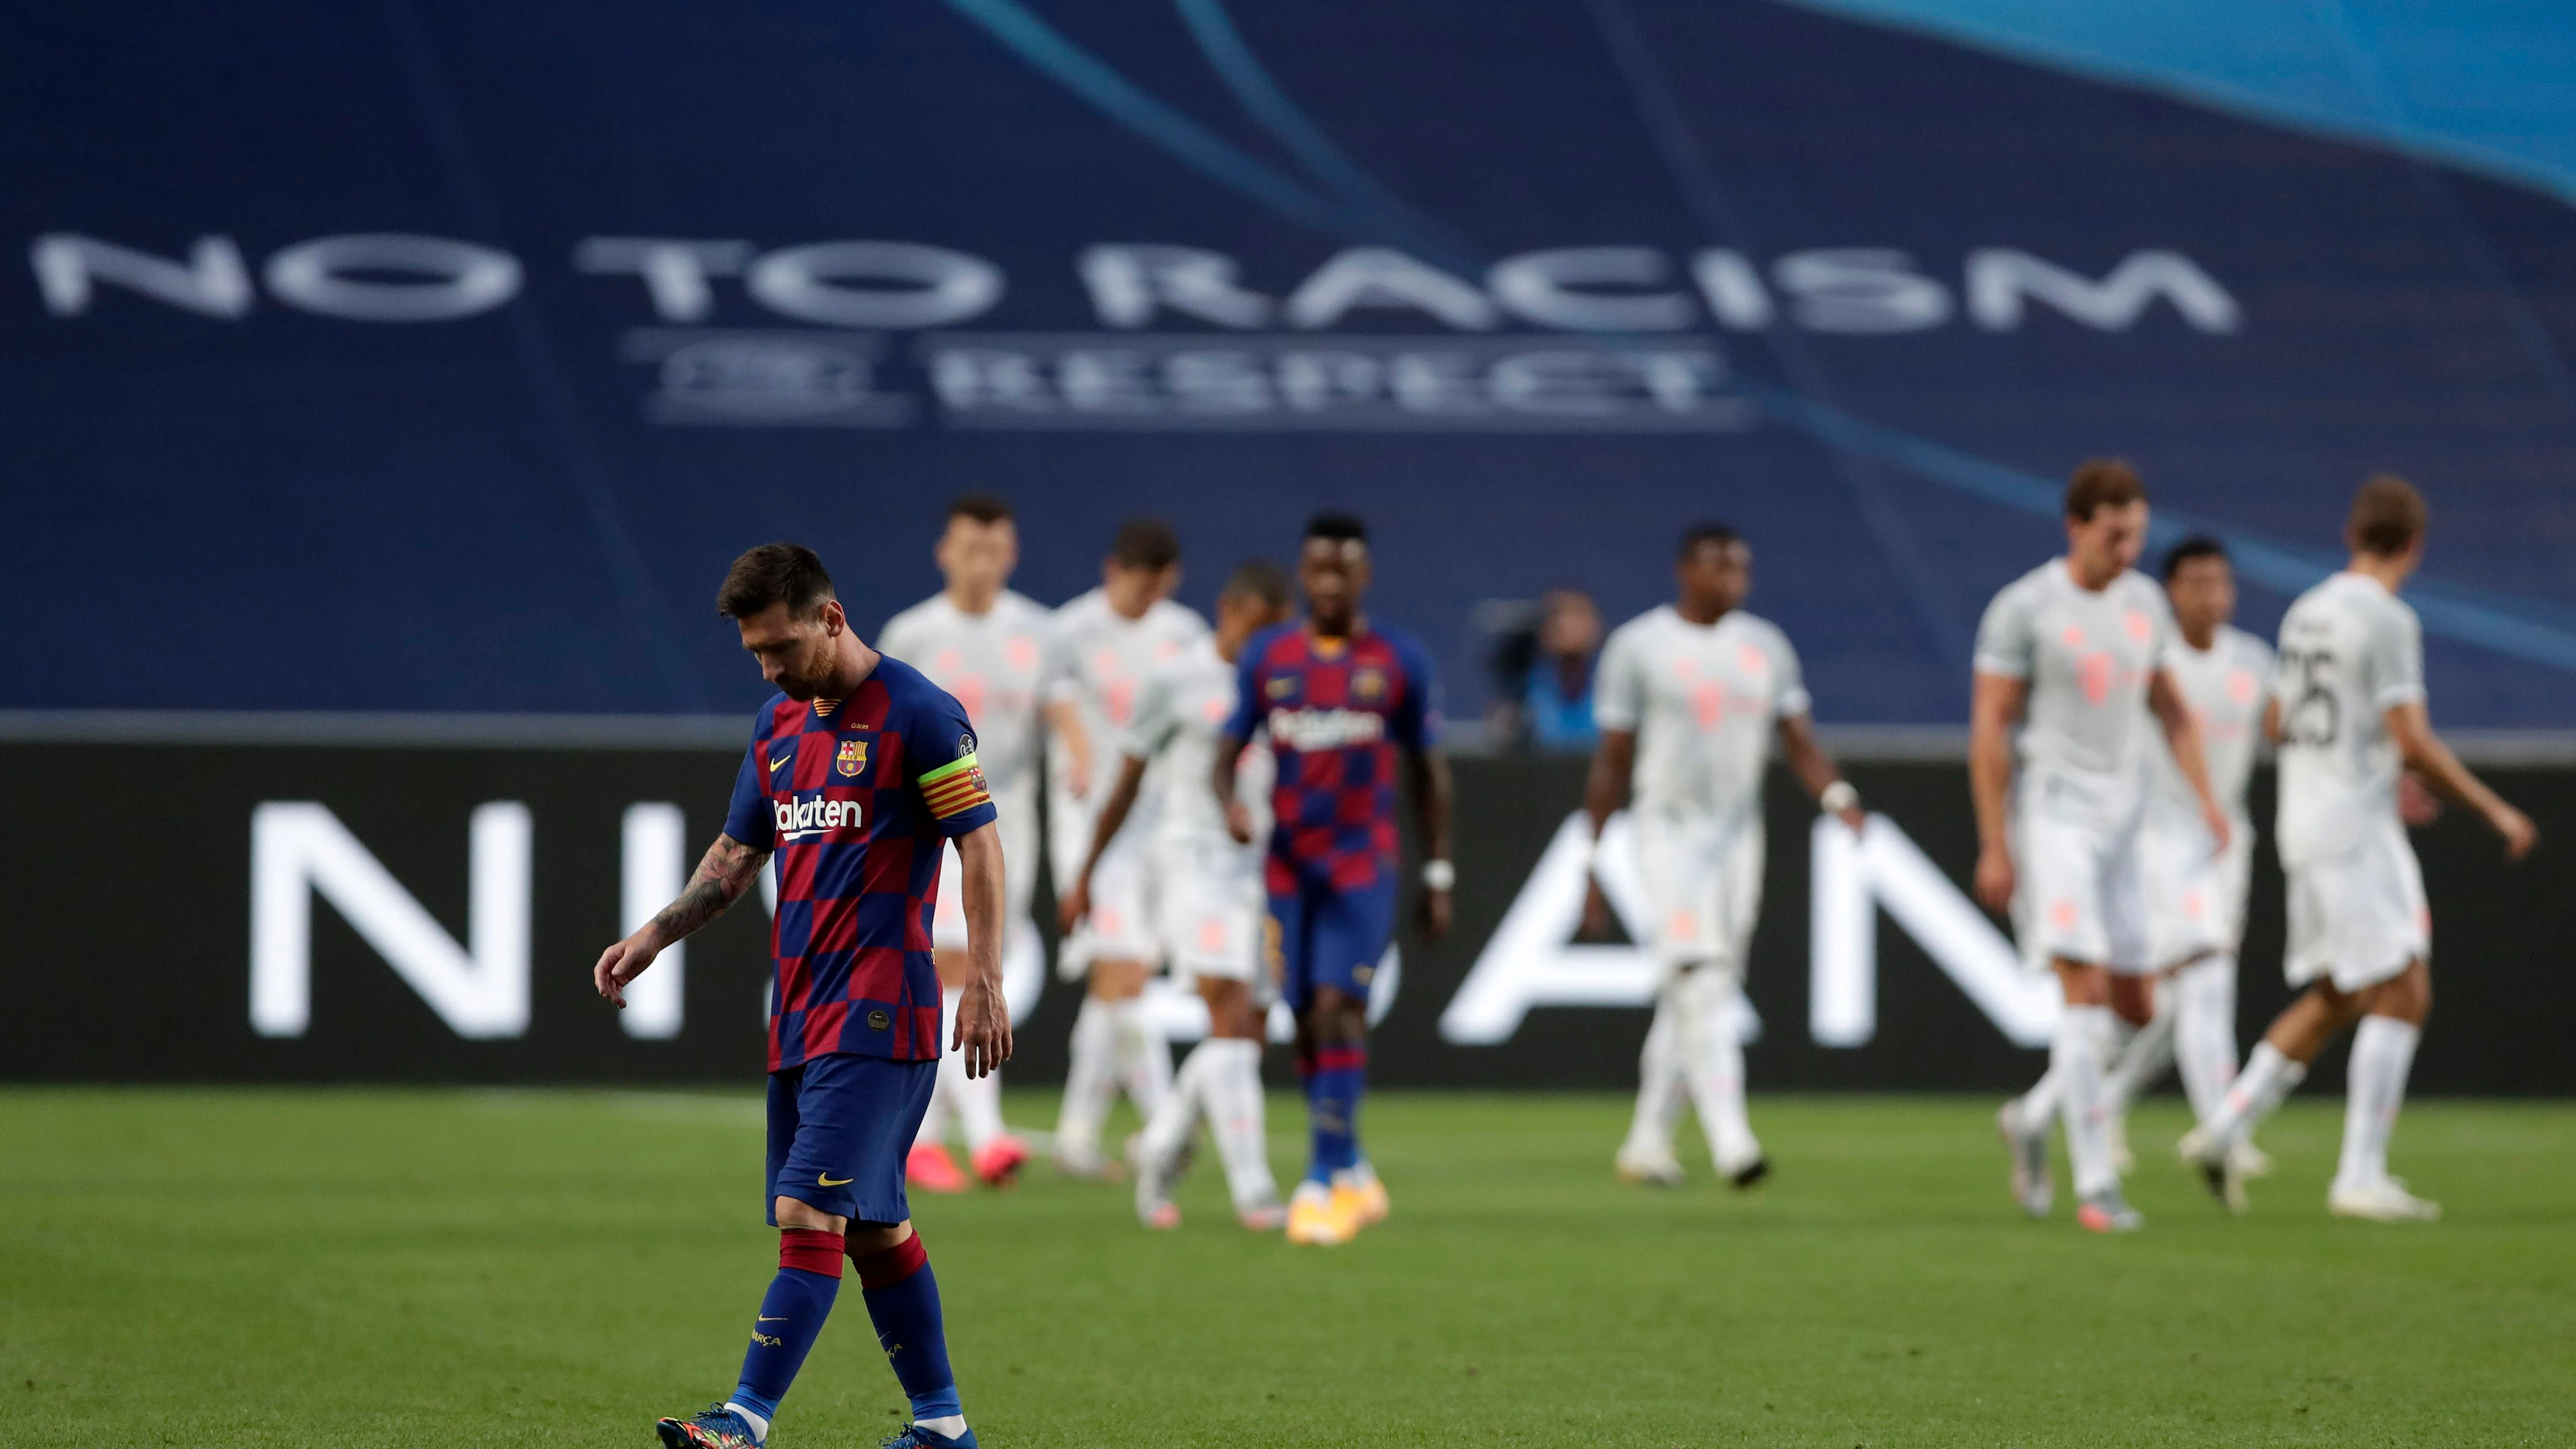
x: 717, y: 1427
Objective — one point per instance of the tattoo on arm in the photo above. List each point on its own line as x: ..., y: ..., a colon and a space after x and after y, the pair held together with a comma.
x: 722, y: 876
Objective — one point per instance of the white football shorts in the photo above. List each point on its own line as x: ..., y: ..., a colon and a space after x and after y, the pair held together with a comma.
x: 1212, y: 910
x: 1018, y: 818
x: 2358, y: 918
x: 1703, y: 880
x: 2195, y: 897
x: 2079, y: 894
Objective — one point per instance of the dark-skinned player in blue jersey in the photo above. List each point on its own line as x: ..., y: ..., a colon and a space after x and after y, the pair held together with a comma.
x: 1341, y: 702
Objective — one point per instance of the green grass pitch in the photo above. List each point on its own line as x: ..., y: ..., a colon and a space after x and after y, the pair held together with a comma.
x: 440, y: 1270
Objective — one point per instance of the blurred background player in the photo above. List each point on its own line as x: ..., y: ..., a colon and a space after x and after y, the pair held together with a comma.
x: 1104, y: 645
x: 859, y: 771
x: 1339, y: 699
x: 1209, y: 914
x: 2074, y: 653
x: 2352, y: 717
x: 1690, y: 696
x: 2195, y: 893
x: 983, y: 644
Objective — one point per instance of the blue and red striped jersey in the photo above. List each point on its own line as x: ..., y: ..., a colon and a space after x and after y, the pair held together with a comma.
x: 1336, y: 710
x: 855, y: 797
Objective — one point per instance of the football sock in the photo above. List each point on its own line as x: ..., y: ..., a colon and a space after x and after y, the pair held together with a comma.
x: 791, y: 1314
x: 903, y: 1303
x: 1231, y: 1093
x: 2204, y: 1040
x: 1659, y: 1087
x: 2038, y: 1105
x: 1144, y: 1058
x: 758, y: 1421
x: 2141, y: 1060
x: 2267, y: 1079
x: 2075, y: 1058
x: 1712, y: 1046
x: 1089, y: 1081
x: 1177, y: 1115
x: 1333, y: 1087
x: 2383, y: 1051
x: 974, y: 1102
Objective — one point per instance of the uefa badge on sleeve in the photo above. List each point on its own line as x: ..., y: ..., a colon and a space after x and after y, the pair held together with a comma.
x: 854, y: 758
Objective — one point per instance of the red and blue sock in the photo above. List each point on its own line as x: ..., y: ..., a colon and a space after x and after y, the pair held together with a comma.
x: 1336, y: 1078
x: 799, y: 1299
x: 903, y: 1302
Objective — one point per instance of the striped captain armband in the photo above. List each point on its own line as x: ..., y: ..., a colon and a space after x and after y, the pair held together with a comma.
x: 955, y: 788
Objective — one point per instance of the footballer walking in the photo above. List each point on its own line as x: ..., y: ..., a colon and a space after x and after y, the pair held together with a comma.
x: 2351, y: 721
x: 859, y: 771
x: 2074, y: 653
x: 1690, y: 697
x: 1341, y: 702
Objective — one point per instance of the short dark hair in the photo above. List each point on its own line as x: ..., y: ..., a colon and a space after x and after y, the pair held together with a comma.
x: 980, y: 506
x: 1259, y: 579
x: 2387, y: 516
x: 2199, y: 545
x: 1700, y: 535
x: 788, y: 573
x: 2100, y: 483
x: 1145, y: 543
x: 1335, y: 524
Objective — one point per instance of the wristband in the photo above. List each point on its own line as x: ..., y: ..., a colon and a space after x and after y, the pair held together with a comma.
x: 1439, y: 875
x: 1837, y: 797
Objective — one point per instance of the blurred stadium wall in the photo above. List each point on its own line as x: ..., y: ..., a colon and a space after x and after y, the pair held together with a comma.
x: 398, y: 379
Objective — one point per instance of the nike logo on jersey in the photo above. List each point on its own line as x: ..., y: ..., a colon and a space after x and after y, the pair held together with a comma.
x: 827, y: 1180
x: 781, y: 761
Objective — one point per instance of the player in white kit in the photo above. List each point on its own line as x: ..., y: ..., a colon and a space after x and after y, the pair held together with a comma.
x: 2352, y: 718
x: 1689, y: 698
x: 2074, y: 652
x: 1105, y: 645
x: 2195, y: 895
x: 1210, y: 911
x: 985, y: 645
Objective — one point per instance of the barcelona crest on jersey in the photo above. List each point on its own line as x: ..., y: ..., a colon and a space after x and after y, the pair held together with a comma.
x: 854, y: 758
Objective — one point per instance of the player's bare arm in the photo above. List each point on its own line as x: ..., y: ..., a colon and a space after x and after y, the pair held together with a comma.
x: 1816, y: 771
x: 2182, y: 735
x: 1113, y: 813
x: 1428, y: 774
x: 1605, y: 789
x: 2432, y: 761
x: 983, y: 1032
x: 723, y: 874
x: 1238, y: 816
x: 1994, y: 708
x: 1064, y: 716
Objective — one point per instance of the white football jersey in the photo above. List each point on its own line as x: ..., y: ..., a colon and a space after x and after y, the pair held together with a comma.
x: 1100, y: 659
x: 2225, y: 686
x: 992, y: 662
x: 1703, y: 702
x: 2350, y: 651
x: 1179, y: 715
x: 2087, y: 658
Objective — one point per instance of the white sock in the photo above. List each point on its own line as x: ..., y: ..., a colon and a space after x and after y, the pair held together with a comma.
x: 1704, y: 1002
x: 2137, y: 1063
x: 1144, y: 1058
x: 1236, y: 1111
x: 1090, y: 1082
x: 1659, y: 1087
x: 2383, y: 1051
x: 974, y: 1103
x: 1177, y: 1115
x: 2075, y: 1059
x: 759, y: 1425
x: 943, y: 1096
x: 2204, y: 1040
x: 946, y: 1426
x: 2038, y: 1106
x: 2268, y: 1078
